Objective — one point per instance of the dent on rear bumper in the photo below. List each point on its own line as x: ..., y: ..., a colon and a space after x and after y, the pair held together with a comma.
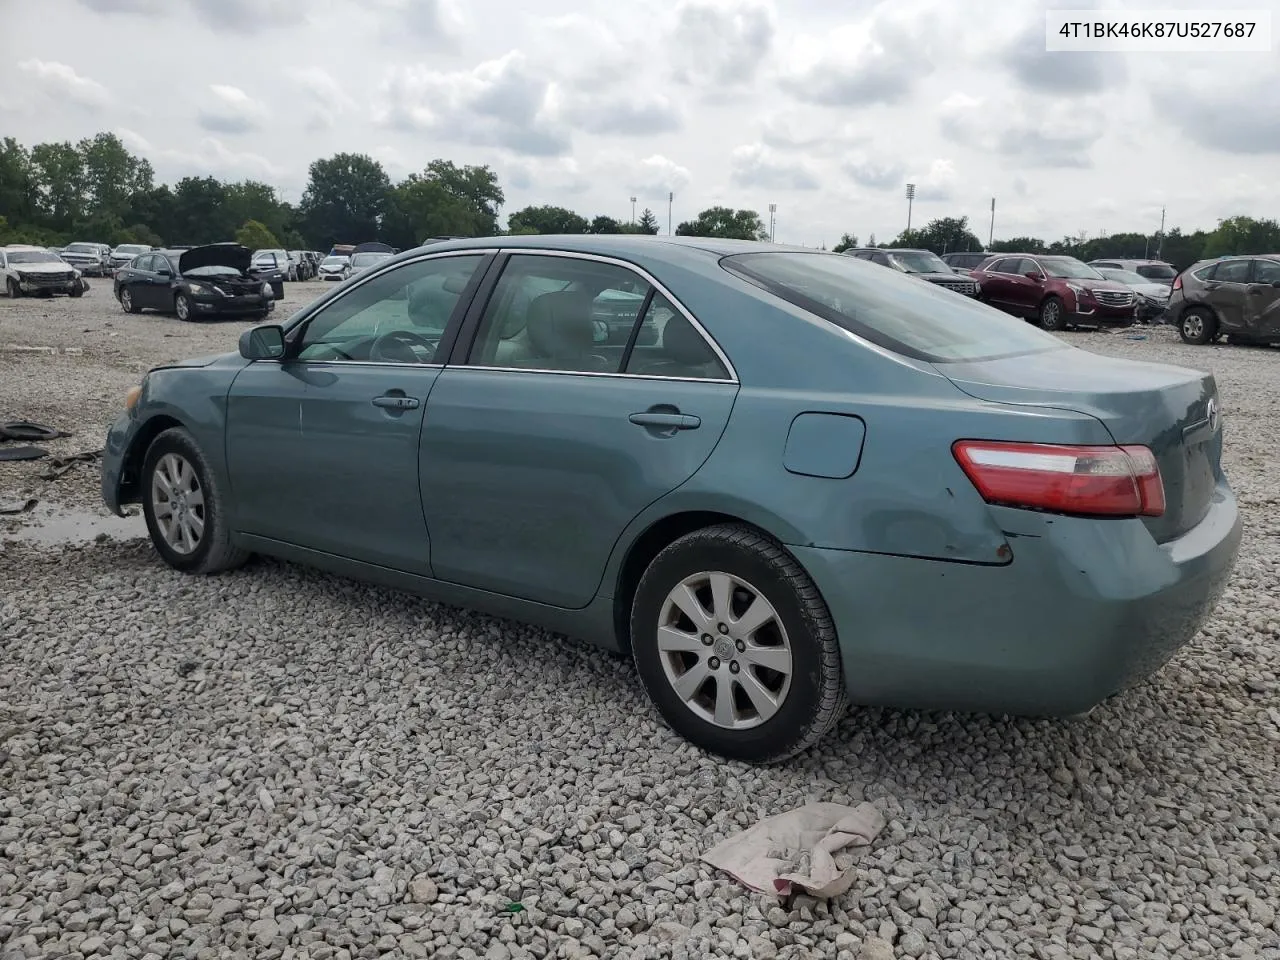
x: 1086, y: 609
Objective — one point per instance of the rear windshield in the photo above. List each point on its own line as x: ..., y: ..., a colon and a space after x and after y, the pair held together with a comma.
x: 895, y: 311
x: 1157, y: 271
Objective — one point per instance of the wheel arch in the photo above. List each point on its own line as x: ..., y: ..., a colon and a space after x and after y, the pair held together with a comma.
x: 131, y: 465
x: 653, y: 540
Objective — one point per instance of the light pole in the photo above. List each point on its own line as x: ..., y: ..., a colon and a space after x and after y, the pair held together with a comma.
x: 773, y: 221
x: 633, y: 210
x: 992, y: 232
x: 1160, y: 236
x: 671, y: 199
x: 911, y: 196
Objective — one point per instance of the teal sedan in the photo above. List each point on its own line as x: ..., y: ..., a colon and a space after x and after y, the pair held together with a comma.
x: 793, y: 480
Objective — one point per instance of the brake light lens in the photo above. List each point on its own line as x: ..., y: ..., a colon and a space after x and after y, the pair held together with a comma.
x: 1177, y: 282
x: 1095, y: 481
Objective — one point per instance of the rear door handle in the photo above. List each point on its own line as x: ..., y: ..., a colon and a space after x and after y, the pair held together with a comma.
x: 396, y: 403
x: 670, y: 421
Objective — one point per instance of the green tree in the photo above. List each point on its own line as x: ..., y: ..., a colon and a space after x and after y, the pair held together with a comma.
x: 344, y: 200
x: 603, y: 224
x: 140, y: 233
x: 255, y: 235
x: 1239, y: 235
x: 18, y: 191
x: 648, y: 223
x: 200, y: 213
x: 476, y: 187
x: 111, y: 175
x: 443, y: 200
x: 847, y: 242
x: 548, y: 220
x: 943, y: 235
x: 1181, y: 249
x: 1018, y: 245
x: 871, y: 241
x: 58, y: 172
x: 725, y: 223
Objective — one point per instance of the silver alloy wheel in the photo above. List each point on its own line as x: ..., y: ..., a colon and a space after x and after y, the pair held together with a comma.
x: 126, y: 299
x: 182, y: 307
x: 1193, y: 326
x: 1051, y: 314
x: 724, y: 650
x: 178, y: 503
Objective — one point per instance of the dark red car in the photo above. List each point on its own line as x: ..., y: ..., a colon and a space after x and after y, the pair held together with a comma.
x: 1057, y: 292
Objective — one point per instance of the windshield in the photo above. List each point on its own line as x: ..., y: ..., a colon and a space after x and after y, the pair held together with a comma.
x: 33, y: 256
x: 132, y: 248
x: 368, y: 259
x: 1123, y: 276
x: 1157, y: 271
x: 264, y: 258
x: 919, y: 261
x: 1069, y: 268
x: 919, y: 320
x: 334, y: 261
x: 82, y: 248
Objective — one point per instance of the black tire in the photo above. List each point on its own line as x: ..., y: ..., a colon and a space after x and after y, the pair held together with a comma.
x: 182, y: 307
x: 127, y: 303
x: 1052, y: 313
x: 814, y: 699
x: 1197, y: 326
x: 214, y: 552
x: 11, y: 288
x: 77, y: 290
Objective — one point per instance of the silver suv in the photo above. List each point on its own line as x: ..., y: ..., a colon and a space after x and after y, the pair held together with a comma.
x: 1157, y: 271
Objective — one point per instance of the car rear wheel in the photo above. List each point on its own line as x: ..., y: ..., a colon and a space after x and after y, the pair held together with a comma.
x: 1052, y: 314
x: 126, y: 301
x: 182, y: 306
x: 184, y: 506
x: 735, y: 646
x: 1197, y: 326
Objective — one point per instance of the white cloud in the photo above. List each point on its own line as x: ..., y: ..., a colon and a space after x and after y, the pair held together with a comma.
x: 229, y: 109
x: 61, y: 83
x: 756, y: 166
x: 936, y: 182
x: 209, y: 156
x: 721, y: 43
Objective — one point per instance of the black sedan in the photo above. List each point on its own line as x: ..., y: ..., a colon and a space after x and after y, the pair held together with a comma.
x: 209, y: 281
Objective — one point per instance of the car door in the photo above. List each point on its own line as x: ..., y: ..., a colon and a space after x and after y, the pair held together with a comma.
x: 995, y: 282
x: 542, y: 441
x: 1227, y: 291
x: 322, y: 446
x: 1262, y: 300
x: 1022, y: 293
x: 141, y: 280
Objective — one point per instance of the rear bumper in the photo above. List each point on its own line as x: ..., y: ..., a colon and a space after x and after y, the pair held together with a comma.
x: 1085, y: 609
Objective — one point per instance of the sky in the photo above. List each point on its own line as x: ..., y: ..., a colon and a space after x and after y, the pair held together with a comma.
x: 825, y: 109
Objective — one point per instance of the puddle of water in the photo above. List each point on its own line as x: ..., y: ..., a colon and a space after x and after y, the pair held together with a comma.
x: 53, y: 525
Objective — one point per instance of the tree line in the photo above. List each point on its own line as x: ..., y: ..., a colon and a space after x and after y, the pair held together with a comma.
x: 97, y: 190
x: 1233, y: 236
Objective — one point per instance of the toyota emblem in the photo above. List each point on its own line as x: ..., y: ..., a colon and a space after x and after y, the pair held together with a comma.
x: 1212, y: 411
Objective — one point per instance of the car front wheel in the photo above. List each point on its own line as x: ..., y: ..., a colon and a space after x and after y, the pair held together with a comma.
x: 1052, y: 314
x: 126, y: 301
x: 735, y: 646
x: 184, y: 506
x: 182, y: 306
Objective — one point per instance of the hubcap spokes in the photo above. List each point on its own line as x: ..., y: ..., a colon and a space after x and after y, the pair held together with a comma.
x: 178, y: 503
x: 724, y: 650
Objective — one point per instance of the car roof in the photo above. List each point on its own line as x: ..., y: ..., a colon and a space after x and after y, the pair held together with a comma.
x: 26, y: 247
x: 621, y: 244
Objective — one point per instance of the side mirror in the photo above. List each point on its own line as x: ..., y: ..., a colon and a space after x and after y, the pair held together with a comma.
x: 1276, y: 284
x: 1035, y: 275
x: 263, y: 343
x: 164, y: 272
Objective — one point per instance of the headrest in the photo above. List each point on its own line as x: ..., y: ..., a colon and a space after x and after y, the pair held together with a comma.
x: 684, y: 344
x: 429, y: 305
x: 560, y: 325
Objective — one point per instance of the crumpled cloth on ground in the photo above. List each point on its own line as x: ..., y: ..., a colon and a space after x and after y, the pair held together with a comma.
x: 795, y: 851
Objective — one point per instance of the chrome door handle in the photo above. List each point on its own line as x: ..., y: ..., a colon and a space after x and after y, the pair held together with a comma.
x: 670, y: 421
x: 396, y: 403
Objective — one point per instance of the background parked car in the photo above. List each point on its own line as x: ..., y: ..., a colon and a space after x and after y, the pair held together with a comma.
x: 271, y: 267
x: 963, y: 262
x: 1058, y: 292
x: 364, y: 259
x: 91, y: 259
x: 1153, y: 296
x: 287, y: 266
x: 1236, y: 296
x: 335, y: 268
x: 922, y: 264
x: 1156, y: 271
x: 195, y: 283
x: 125, y: 253
x: 37, y: 270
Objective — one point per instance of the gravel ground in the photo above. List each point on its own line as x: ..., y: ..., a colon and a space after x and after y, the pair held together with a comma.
x: 278, y: 763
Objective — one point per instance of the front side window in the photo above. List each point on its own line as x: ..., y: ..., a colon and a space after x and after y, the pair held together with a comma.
x: 899, y: 313
x: 397, y: 317
x: 1068, y: 268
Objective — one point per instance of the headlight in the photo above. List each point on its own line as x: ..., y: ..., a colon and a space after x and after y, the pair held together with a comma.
x: 204, y: 289
x: 1078, y: 290
x: 77, y: 273
x: 266, y: 290
x: 131, y: 398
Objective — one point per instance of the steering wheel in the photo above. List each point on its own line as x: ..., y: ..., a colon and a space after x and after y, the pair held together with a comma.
x: 397, y: 347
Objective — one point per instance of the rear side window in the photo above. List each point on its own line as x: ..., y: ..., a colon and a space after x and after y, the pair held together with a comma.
x: 1232, y: 271
x: 894, y: 311
x: 1266, y: 271
x: 1156, y: 271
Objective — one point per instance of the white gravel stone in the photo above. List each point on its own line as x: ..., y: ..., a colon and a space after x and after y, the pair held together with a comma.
x: 277, y: 763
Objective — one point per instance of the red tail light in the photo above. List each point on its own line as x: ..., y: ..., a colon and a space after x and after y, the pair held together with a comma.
x: 1177, y: 282
x: 1105, y: 481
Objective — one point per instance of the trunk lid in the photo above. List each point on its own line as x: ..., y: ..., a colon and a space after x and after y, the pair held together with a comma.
x: 1172, y: 410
